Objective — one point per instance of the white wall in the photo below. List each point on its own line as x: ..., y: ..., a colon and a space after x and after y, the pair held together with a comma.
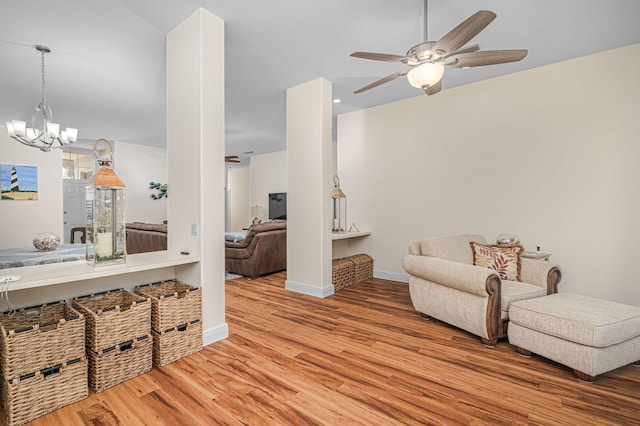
x: 239, y: 195
x: 268, y: 175
x: 137, y: 165
x: 549, y: 154
x: 21, y: 220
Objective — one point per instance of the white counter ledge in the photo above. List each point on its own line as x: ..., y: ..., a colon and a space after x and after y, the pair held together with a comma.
x: 347, y: 235
x: 66, y: 272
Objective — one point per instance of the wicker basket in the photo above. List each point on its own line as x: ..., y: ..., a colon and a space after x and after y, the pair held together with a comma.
x: 172, y: 303
x: 177, y: 342
x: 363, y: 265
x: 113, y: 317
x: 119, y: 363
x: 39, y: 336
x: 36, y: 394
x: 343, y: 274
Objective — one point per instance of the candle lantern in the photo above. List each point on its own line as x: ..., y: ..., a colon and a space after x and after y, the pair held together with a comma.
x: 105, y: 211
x: 339, y: 207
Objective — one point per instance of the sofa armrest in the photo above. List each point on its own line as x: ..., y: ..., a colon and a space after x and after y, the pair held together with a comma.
x: 461, y: 276
x: 543, y: 274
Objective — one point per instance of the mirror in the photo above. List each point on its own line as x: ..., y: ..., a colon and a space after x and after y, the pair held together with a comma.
x: 137, y: 166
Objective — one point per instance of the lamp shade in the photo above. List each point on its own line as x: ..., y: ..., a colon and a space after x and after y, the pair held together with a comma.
x: 425, y: 75
x: 337, y: 193
x: 256, y: 211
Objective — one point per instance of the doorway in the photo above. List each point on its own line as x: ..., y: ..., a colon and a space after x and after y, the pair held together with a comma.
x: 73, y: 205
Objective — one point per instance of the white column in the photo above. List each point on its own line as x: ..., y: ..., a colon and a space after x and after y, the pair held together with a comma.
x: 309, y: 188
x: 195, y: 152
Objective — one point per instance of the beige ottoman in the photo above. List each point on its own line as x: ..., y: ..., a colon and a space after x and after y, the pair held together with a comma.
x: 589, y: 335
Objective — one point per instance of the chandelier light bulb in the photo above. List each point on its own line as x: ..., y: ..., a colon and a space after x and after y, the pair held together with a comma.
x: 425, y: 75
x: 53, y: 129
x: 32, y: 133
x: 72, y: 134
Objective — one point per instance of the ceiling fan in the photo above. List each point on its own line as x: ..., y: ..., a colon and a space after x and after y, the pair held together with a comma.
x: 428, y: 59
x: 231, y: 159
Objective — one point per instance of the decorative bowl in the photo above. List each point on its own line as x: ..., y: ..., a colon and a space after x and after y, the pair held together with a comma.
x: 507, y: 239
x: 46, y: 241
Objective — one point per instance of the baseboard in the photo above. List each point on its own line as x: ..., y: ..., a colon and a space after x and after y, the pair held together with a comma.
x: 391, y: 276
x: 309, y: 289
x: 215, y: 334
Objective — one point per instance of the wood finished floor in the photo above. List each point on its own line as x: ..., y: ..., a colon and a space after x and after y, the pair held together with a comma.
x: 360, y: 357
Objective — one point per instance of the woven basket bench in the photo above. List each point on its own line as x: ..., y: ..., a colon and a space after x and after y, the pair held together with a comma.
x: 363, y: 267
x: 343, y: 274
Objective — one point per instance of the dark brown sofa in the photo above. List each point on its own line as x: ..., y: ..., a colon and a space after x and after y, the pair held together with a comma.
x: 263, y: 251
x: 144, y: 237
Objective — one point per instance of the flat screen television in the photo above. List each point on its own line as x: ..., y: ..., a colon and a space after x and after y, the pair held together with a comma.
x: 278, y: 206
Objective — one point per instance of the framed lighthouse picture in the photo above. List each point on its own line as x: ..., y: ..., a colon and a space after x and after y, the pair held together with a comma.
x: 18, y: 182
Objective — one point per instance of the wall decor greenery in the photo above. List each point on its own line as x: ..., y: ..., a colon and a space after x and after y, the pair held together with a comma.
x: 161, y: 188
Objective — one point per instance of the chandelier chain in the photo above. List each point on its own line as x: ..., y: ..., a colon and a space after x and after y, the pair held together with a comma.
x: 44, y: 84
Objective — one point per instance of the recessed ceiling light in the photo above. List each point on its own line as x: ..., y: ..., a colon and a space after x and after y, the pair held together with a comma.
x: 337, y: 101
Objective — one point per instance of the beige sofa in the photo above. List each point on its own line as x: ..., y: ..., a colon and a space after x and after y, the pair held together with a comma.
x: 445, y: 284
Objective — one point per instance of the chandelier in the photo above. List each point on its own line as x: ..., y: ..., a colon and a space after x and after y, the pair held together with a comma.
x: 42, y: 137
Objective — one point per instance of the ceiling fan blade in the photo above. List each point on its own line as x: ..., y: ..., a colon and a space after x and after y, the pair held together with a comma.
x: 380, y: 57
x: 231, y: 156
x: 468, y: 49
x: 432, y: 90
x: 382, y: 81
x: 460, y: 35
x: 488, y: 57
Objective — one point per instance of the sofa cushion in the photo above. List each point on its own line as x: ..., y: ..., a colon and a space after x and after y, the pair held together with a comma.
x: 512, y: 291
x: 580, y: 319
x: 455, y: 248
x: 504, y: 260
x: 238, y: 253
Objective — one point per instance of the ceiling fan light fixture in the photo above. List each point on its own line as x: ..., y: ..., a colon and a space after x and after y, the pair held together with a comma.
x: 425, y: 75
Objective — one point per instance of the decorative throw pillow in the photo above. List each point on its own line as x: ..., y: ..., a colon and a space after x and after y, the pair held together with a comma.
x: 504, y: 260
x: 234, y: 236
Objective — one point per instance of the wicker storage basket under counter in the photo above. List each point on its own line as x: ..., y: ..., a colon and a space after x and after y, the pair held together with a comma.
x: 177, y: 342
x: 176, y: 319
x: 113, y: 317
x: 38, y: 337
x: 173, y: 303
x: 363, y: 267
x: 342, y: 274
x: 43, y: 391
x: 116, y: 364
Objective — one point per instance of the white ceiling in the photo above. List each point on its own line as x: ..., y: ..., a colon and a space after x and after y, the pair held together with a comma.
x: 106, y: 72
